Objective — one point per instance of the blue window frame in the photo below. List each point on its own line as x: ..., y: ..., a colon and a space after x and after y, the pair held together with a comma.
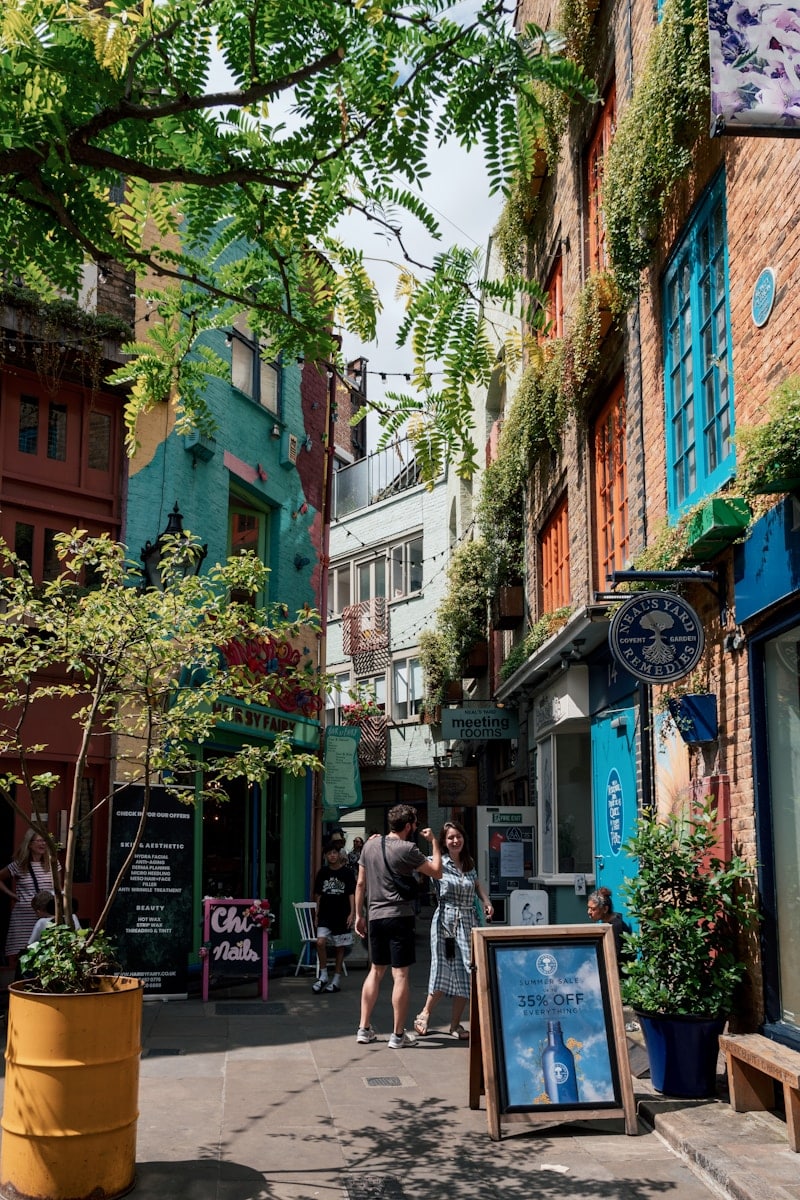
x: 698, y: 365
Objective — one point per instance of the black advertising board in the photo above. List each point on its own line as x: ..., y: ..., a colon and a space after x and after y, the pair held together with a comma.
x: 549, y: 1040
x: 151, y: 919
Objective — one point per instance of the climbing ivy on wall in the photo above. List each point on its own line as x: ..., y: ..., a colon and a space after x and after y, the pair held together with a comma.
x: 652, y: 147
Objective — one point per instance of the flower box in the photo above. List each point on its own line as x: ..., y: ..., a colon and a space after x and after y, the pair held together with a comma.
x: 715, y: 524
x: 477, y: 660
x: 454, y: 692
x: 508, y: 607
x: 778, y: 483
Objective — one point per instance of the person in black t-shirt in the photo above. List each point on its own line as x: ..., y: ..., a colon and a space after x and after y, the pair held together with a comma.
x: 335, y: 897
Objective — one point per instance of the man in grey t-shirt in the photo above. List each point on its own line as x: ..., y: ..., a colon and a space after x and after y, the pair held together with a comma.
x: 391, y: 917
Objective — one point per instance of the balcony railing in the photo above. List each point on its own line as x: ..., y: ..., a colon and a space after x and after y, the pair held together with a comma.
x: 376, y: 477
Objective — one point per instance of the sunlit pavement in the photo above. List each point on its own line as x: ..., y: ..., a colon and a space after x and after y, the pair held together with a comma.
x: 244, y: 1100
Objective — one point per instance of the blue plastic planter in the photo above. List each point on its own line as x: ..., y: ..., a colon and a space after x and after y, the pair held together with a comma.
x: 683, y: 1054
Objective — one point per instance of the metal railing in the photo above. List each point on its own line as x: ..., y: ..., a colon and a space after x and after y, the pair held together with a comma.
x: 384, y: 473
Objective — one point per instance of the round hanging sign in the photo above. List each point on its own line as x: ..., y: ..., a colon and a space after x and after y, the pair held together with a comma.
x: 657, y: 637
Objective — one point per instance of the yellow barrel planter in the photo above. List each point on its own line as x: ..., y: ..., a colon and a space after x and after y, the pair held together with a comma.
x: 71, y: 1093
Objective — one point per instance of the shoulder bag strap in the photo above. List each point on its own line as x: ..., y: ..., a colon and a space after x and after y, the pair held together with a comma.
x: 392, y: 873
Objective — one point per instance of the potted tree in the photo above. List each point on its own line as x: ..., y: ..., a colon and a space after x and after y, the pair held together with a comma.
x: 156, y: 670
x: 689, y: 907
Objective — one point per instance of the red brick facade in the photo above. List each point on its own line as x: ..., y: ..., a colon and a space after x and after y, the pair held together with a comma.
x: 763, y: 229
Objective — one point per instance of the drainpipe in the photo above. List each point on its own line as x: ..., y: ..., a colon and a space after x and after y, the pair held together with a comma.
x: 324, y: 565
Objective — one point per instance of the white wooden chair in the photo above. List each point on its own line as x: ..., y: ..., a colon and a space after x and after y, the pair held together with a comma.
x: 306, y: 913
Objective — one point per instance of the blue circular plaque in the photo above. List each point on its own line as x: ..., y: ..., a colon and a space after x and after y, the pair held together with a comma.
x: 763, y: 297
x: 657, y: 637
x: 614, y: 810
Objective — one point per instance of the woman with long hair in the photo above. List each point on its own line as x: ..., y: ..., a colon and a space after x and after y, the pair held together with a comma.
x: 451, y: 929
x: 30, y: 872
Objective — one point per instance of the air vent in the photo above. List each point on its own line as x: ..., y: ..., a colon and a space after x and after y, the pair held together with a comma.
x: 289, y: 448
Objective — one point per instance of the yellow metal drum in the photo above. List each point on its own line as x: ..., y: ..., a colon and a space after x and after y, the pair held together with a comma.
x: 71, y: 1093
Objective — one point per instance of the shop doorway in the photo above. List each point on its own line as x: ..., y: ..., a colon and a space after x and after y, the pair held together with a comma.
x: 226, y: 842
x: 241, y: 843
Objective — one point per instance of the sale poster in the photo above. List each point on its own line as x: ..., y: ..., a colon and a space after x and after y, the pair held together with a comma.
x: 553, y: 1028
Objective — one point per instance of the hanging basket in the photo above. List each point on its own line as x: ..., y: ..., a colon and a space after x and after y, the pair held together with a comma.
x: 695, y: 717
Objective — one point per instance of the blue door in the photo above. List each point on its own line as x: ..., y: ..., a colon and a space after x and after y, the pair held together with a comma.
x: 614, y: 798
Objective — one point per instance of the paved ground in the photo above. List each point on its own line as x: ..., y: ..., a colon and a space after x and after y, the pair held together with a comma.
x: 241, y: 1100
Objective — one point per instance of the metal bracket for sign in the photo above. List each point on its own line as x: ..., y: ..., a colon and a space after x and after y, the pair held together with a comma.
x: 713, y: 580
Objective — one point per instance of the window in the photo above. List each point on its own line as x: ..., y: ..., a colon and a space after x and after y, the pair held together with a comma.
x: 338, y: 589
x: 373, y: 686
x: 254, y: 370
x: 697, y: 370
x: 336, y: 697
x: 28, y: 441
x: 397, y: 567
x: 611, y: 486
x: 57, y: 432
x: 23, y: 542
x: 554, y: 308
x: 595, y: 170
x: 406, y: 688
x: 99, y: 448
x: 564, y: 771
x: 555, y: 560
x: 247, y: 532
x: 407, y: 567
x: 51, y: 564
x: 371, y: 579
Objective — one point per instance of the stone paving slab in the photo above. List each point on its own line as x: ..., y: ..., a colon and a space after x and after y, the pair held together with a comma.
x: 278, y: 1102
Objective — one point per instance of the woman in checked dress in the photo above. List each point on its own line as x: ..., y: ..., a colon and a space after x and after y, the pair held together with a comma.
x: 451, y: 930
x: 30, y: 872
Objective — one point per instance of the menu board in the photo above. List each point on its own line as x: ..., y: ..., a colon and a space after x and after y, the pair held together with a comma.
x: 549, y: 1040
x: 151, y: 919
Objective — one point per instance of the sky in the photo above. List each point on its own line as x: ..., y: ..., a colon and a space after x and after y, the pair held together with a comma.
x: 457, y: 191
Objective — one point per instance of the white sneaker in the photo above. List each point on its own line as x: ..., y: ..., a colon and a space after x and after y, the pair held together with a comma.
x: 365, y: 1036
x: 398, y: 1041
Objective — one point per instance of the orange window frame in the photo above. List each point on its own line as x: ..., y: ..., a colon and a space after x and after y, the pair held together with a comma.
x: 554, y: 303
x: 595, y: 171
x: 612, y: 533
x: 555, y: 560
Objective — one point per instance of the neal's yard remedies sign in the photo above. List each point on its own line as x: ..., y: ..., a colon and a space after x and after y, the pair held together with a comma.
x: 657, y: 637
x: 151, y: 919
x: 487, y: 723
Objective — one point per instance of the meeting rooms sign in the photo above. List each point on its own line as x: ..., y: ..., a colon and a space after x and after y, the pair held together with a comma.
x: 479, y: 723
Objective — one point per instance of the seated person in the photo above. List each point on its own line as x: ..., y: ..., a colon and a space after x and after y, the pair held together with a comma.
x: 44, y: 905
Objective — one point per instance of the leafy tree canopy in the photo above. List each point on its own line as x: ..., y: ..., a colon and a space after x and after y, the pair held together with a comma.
x: 234, y: 191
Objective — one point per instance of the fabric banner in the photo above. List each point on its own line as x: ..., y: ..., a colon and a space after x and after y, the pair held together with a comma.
x: 342, y: 780
x: 755, y: 68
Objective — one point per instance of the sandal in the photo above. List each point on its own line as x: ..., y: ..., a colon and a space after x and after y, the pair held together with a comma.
x: 421, y: 1024
x: 459, y: 1033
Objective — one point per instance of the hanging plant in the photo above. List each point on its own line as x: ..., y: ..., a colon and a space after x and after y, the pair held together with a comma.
x: 513, y: 227
x: 768, y: 455
x: 500, y: 516
x: 462, y: 615
x: 536, y: 636
x: 656, y: 133
x: 439, y: 664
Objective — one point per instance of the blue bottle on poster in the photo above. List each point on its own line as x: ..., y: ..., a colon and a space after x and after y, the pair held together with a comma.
x: 558, y: 1068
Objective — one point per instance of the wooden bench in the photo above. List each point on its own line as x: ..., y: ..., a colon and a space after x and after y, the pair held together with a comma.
x: 753, y: 1062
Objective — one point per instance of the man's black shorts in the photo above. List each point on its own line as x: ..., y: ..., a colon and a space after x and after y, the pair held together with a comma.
x: 391, y: 941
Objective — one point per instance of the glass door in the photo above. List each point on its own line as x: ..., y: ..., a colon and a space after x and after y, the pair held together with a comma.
x: 782, y: 688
